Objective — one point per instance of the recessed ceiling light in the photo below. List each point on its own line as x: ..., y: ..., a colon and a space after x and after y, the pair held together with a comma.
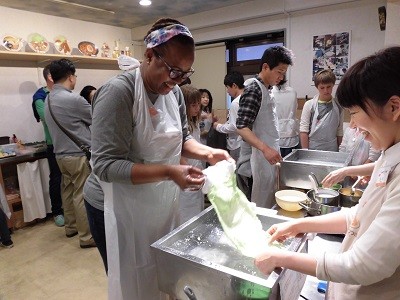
x: 145, y: 2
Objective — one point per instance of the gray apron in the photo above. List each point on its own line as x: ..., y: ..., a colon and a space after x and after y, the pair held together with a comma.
x: 264, y: 174
x: 138, y: 215
x: 323, y: 132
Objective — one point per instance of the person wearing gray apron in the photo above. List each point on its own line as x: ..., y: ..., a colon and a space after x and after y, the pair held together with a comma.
x: 257, y: 123
x: 265, y: 128
x: 323, y: 131
x: 139, y: 133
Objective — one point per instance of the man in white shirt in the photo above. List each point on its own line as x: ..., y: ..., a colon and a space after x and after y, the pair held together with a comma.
x: 234, y: 83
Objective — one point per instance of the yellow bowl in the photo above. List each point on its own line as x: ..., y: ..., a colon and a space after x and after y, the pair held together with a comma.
x: 289, y: 199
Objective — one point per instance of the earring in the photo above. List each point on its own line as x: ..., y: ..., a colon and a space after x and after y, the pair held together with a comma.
x: 148, y: 60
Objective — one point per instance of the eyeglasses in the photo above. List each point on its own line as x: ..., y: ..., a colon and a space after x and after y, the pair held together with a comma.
x: 175, y: 73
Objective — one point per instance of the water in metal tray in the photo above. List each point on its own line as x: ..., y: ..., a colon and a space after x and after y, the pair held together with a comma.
x: 208, y: 242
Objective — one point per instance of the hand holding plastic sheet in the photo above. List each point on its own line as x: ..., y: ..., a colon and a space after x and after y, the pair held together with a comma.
x: 235, y: 213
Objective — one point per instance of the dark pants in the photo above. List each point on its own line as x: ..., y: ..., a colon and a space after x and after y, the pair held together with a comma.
x: 97, y: 228
x: 54, y: 182
x: 245, y: 184
x: 4, y: 231
x: 286, y: 151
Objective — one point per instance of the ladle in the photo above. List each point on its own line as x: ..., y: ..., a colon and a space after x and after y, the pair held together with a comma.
x: 353, y: 187
x: 323, y: 195
x: 314, y: 183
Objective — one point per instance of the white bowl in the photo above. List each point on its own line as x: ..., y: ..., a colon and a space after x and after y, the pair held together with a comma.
x: 38, y: 43
x: 12, y: 43
x: 289, y: 199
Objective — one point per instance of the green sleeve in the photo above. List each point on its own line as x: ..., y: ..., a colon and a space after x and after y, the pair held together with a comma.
x: 39, y: 104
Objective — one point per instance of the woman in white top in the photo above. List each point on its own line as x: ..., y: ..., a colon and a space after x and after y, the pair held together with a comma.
x: 368, y: 266
x: 355, y: 144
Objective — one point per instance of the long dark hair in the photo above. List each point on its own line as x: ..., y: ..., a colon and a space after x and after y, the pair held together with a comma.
x: 207, y: 108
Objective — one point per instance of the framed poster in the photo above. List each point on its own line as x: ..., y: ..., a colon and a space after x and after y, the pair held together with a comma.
x: 331, y: 51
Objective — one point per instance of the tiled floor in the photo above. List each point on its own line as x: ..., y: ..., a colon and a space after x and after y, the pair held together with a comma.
x: 44, y: 264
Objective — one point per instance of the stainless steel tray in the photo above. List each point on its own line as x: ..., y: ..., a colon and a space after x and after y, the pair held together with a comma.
x: 198, y: 257
x: 296, y: 166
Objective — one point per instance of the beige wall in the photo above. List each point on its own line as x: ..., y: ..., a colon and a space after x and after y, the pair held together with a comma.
x: 19, y: 80
x: 392, y: 35
x: 300, y: 22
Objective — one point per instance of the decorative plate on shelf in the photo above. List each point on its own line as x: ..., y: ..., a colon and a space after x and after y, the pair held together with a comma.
x: 38, y: 43
x: 12, y: 43
x: 61, y: 45
x: 88, y: 48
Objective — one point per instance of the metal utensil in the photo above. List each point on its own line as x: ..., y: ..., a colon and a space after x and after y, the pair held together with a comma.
x: 189, y: 292
x: 323, y: 195
x: 315, y: 179
x: 353, y: 187
x: 314, y: 183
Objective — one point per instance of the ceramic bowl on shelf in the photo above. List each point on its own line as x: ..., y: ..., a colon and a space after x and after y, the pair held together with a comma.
x: 38, y: 43
x: 88, y: 48
x: 61, y: 44
x: 12, y: 43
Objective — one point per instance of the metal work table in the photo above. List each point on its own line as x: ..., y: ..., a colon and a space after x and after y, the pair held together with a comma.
x: 316, y: 244
x: 321, y: 242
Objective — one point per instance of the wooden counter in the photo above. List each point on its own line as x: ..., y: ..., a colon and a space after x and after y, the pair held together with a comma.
x: 8, y: 170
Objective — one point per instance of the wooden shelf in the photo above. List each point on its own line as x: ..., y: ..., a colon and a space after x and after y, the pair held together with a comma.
x: 27, y: 59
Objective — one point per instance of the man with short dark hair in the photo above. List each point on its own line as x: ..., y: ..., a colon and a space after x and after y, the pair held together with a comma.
x: 73, y: 113
x: 257, y: 123
x: 234, y: 86
x: 38, y: 106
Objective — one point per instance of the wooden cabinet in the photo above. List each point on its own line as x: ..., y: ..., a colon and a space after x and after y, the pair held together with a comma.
x: 8, y: 173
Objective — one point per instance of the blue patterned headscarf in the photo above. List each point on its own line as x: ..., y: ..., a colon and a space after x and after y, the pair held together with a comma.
x: 162, y: 35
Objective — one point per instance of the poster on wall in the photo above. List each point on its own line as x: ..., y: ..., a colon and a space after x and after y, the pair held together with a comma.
x: 331, y: 51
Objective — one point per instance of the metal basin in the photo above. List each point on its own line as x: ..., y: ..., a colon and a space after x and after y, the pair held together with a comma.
x: 198, y: 259
x: 296, y: 166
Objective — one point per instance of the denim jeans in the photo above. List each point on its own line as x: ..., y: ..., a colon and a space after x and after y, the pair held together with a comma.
x: 54, y: 182
x: 96, y: 224
x: 4, y: 231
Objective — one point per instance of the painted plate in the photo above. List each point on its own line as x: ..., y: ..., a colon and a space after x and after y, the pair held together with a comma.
x: 38, y: 43
x: 61, y: 44
x: 88, y: 48
x: 12, y: 43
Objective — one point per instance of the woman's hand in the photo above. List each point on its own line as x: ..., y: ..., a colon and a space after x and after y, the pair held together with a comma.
x: 187, y: 177
x: 334, y: 177
x: 268, y: 260
x: 281, y: 231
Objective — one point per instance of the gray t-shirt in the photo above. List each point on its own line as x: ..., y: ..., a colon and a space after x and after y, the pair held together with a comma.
x: 73, y: 112
x: 112, y: 130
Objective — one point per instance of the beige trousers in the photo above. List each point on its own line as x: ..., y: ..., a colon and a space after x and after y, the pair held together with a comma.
x: 74, y: 171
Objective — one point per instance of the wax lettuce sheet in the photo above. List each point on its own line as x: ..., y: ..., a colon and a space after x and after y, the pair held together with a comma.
x: 235, y: 213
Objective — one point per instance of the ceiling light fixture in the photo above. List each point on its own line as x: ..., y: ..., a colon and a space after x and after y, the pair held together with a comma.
x: 83, y: 6
x: 145, y: 2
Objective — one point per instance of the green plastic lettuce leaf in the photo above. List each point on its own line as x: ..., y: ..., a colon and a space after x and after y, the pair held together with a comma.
x: 235, y: 213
